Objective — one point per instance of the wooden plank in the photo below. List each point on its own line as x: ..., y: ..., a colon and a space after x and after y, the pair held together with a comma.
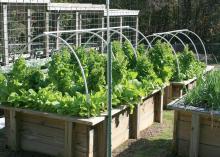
x: 43, y: 121
x: 147, y: 110
x: 180, y: 106
x: 29, y: 31
x: 80, y: 140
x: 120, y: 128
x: 5, y: 32
x: 137, y: 33
x: 195, y: 134
x: 47, y: 41
x: 158, y: 110
x: 175, y: 132
x: 77, y: 28
x: 121, y: 30
x: 185, y: 82
x: 90, y: 143
x: 25, y: 1
x: 13, y: 131
x: 36, y: 146
x: 210, y: 121
x: 135, y: 123
x: 146, y: 121
x: 191, y: 85
x: 58, y: 29
x: 103, y: 34
x: 68, y: 139
x: 35, y: 129
x: 185, y: 116
x: 75, y: 7
x: 183, y: 148
x: 177, y: 91
x: 210, y: 136
x: 80, y: 27
x: 167, y: 97
x: 120, y: 139
x: 208, y: 151
x: 87, y: 121
x: 184, y: 130
x: 101, y: 140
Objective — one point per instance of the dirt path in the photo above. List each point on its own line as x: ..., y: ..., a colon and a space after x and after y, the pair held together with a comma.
x: 154, y: 142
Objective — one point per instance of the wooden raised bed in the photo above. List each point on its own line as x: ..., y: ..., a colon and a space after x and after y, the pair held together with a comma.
x: 52, y: 134
x: 145, y: 114
x: 177, y: 89
x: 66, y: 136
x: 196, y: 131
x: 167, y: 95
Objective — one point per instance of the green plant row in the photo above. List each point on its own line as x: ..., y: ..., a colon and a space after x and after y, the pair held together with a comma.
x: 58, y: 86
x: 206, y: 94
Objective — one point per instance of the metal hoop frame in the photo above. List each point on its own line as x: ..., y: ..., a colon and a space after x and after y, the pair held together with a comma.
x: 161, y: 37
x: 74, y: 53
x: 127, y: 27
x: 185, y: 32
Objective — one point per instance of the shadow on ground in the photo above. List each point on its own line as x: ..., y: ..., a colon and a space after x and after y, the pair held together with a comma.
x: 147, y: 148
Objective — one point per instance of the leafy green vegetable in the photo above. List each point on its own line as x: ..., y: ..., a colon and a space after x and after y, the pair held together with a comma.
x: 60, y: 88
x: 162, y: 58
x: 189, y: 66
x: 61, y: 72
x: 129, y: 52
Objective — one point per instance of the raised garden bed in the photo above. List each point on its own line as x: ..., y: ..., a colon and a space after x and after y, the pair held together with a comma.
x: 196, y: 131
x: 52, y: 134
x: 145, y: 114
x: 57, y: 135
x: 177, y: 89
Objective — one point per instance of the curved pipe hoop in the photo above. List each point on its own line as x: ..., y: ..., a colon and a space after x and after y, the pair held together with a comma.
x: 93, y: 34
x: 175, y: 36
x: 203, y: 45
x: 74, y: 53
x: 161, y: 37
x: 194, y: 46
x: 144, y: 38
x: 117, y: 32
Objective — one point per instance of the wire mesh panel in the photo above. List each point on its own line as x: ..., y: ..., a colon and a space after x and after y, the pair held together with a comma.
x: 122, y: 18
x: 22, y: 21
x: 70, y: 16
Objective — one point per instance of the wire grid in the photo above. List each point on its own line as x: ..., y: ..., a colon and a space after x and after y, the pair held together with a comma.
x: 23, y: 20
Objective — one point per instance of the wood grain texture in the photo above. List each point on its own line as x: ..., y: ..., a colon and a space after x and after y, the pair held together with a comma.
x: 195, y: 136
x: 158, y: 107
x: 120, y: 128
x: 199, y: 139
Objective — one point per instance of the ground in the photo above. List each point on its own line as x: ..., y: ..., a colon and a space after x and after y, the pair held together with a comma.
x: 155, y: 141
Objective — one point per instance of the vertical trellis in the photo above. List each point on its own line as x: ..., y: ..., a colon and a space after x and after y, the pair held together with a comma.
x: 121, y: 18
